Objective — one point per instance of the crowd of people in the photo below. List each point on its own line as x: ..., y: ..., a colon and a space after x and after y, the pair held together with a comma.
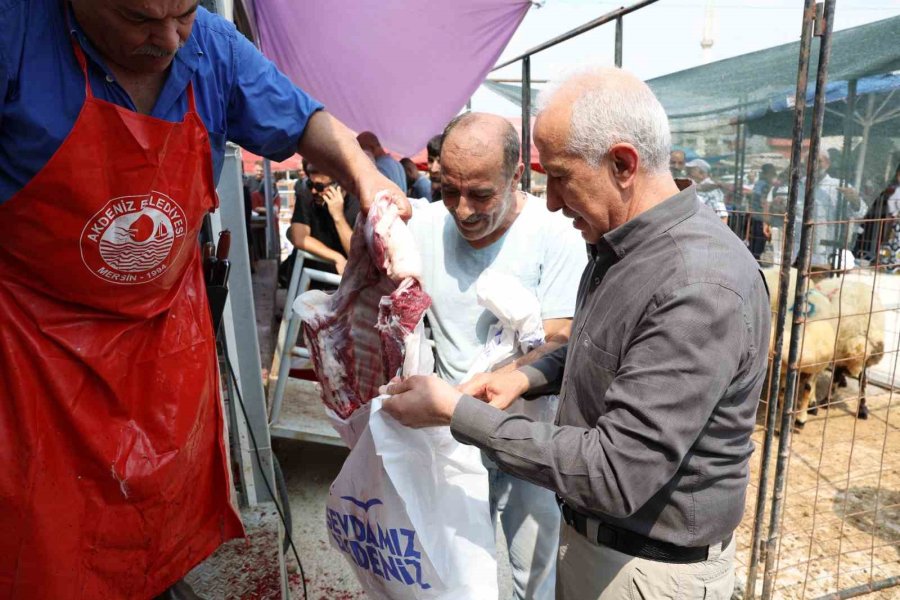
x: 872, y: 237
x: 848, y: 229
x: 752, y: 215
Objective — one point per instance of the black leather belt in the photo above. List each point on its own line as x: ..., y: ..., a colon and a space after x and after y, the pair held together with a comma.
x: 635, y: 544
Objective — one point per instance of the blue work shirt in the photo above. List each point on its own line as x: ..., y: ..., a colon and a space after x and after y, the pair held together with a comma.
x: 392, y: 169
x: 241, y: 96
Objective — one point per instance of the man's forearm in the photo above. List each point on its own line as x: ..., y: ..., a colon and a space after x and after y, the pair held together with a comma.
x: 545, y: 373
x: 334, y: 149
x: 533, y: 356
x: 344, y: 232
x: 314, y: 246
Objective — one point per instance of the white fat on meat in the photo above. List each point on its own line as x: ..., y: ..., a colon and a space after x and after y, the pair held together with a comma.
x: 401, y: 257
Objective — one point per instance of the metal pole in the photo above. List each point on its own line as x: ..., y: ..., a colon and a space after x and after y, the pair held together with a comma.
x: 610, y: 16
x: 239, y: 328
x: 864, y: 143
x: 619, y: 41
x: 824, y: 23
x: 526, y: 123
x: 736, y: 222
x: 848, y: 132
x: 743, y: 161
x: 271, y: 224
x: 809, y: 14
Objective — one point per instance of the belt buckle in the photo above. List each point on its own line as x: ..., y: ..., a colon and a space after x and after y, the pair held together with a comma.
x: 607, y: 536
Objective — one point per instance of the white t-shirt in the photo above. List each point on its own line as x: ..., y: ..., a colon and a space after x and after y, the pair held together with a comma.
x: 541, y: 249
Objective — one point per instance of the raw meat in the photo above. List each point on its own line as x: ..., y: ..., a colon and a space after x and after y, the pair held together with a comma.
x: 358, y: 336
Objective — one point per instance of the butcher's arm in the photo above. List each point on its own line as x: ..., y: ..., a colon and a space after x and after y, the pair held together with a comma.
x: 302, y: 238
x: 556, y: 334
x: 334, y: 149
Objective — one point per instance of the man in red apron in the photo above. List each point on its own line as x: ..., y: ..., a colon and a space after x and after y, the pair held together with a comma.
x: 114, y: 481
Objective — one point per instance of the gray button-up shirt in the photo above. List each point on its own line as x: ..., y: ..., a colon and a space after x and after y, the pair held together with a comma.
x: 659, y: 383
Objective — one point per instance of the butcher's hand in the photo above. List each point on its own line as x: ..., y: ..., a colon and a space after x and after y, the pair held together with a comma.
x: 499, y: 389
x: 421, y: 401
x: 371, y: 184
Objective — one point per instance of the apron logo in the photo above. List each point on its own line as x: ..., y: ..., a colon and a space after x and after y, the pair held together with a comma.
x: 133, y: 239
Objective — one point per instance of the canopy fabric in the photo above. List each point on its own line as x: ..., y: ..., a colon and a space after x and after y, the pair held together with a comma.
x: 399, y: 68
x: 249, y: 160
x: 876, y: 111
x: 746, y: 87
x: 750, y: 86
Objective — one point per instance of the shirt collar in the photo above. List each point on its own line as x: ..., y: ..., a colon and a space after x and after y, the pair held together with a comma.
x: 661, y: 218
x: 183, y: 67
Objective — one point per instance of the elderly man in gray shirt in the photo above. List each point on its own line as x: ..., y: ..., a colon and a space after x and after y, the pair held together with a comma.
x: 660, y: 380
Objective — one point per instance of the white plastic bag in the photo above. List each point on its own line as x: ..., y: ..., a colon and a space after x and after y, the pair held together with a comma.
x: 410, y: 511
x: 519, y: 329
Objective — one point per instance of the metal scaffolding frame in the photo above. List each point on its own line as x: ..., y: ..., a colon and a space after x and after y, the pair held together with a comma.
x: 615, y: 15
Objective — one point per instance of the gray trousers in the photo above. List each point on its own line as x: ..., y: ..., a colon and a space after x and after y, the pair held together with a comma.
x: 588, y: 571
x: 529, y: 517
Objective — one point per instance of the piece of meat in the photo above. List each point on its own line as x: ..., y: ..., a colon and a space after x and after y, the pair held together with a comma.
x: 357, y: 336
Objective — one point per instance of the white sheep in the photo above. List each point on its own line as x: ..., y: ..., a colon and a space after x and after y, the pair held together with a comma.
x: 859, y: 320
x: 816, y: 347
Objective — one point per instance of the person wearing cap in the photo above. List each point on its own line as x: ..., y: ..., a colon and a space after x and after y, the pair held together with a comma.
x: 709, y: 192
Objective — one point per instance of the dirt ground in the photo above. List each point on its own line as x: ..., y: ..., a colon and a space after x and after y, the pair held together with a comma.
x: 841, y: 521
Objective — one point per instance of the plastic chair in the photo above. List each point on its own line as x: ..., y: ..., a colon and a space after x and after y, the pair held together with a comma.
x: 289, y: 330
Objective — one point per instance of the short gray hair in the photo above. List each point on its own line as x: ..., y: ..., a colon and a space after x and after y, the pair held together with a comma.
x: 604, y: 115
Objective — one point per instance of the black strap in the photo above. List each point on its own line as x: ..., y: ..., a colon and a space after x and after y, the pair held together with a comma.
x: 635, y: 544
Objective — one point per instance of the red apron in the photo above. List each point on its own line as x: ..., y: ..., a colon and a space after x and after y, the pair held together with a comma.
x: 114, y: 479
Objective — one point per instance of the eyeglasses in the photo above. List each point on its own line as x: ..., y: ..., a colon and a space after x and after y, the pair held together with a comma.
x: 319, y: 187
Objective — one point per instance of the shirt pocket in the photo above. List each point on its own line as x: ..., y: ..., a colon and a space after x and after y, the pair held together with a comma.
x: 596, y: 369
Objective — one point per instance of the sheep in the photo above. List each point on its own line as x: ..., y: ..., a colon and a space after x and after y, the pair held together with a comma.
x: 816, y: 347
x: 860, y: 335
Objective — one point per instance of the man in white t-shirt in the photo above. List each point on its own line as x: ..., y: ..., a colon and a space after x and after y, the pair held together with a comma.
x: 485, y: 221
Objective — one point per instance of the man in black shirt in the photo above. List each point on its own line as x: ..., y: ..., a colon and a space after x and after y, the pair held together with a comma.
x: 323, y: 220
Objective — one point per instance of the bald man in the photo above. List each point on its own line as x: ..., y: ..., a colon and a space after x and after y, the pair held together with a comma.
x: 660, y: 380
x: 386, y: 164
x: 485, y: 221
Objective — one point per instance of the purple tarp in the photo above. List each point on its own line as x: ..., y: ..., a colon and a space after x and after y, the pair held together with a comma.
x: 400, y: 68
